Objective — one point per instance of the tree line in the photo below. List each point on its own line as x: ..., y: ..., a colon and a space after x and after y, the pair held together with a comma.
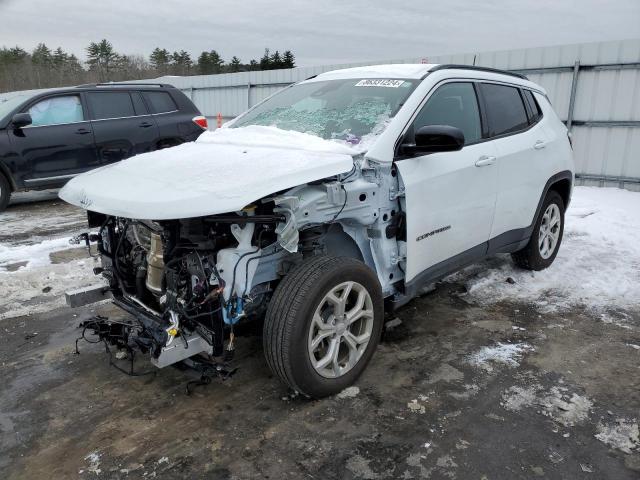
x: 44, y: 67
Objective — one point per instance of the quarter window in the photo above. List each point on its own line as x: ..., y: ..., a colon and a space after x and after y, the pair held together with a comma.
x: 505, y: 110
x: 534, y: 108
x: 57, y: 110
x: 110, y: 105
x: 453, y: 104
x: 160, y: 102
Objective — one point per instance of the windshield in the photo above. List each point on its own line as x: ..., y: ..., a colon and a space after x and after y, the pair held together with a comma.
x: 353, y: 110
x: 8, y: 104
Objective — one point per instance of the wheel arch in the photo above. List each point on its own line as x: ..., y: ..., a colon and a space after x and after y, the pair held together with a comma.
x: 4, y: 171
x: 561, y: 182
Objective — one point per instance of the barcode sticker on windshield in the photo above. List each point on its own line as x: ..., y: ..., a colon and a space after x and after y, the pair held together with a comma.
x: 379, y: 82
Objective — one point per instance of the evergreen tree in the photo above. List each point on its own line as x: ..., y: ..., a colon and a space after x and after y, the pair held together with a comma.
x: 289, y: 61
x: 265, y: 61
x: 102, y: 58
x: 234, y: 64
x: 41, y: 56
x: 159, y: 60
x: 276, y: 61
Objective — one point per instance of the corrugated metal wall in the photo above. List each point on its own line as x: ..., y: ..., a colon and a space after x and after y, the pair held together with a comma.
x: 605, y: 81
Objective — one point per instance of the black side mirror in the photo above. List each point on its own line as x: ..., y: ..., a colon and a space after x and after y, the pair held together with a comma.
x: 436, y: 138
x: 20, y: 120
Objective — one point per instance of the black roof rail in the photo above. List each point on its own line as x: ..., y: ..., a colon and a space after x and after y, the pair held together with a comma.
x: 125, y: 84
x: 448, y: 66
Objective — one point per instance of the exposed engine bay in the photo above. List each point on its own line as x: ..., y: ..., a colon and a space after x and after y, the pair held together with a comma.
x: 190, y: 282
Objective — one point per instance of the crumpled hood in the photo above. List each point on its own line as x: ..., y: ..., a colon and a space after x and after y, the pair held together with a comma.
x: 223, y: 171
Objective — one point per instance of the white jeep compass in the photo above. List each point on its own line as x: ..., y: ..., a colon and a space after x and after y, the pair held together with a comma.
x: 318, y: 208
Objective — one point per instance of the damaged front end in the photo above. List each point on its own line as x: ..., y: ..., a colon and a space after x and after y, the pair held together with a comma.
x: 187, y: 283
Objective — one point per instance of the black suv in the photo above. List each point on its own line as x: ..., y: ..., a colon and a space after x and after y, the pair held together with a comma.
x: 48, y: 137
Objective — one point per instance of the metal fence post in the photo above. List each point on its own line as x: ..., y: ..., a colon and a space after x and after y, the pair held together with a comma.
x: 572, y: 97
x: 248, y: 95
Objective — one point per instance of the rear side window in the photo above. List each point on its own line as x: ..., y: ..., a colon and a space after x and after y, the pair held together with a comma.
x: 505, y: 109
x: 453, y: 104
x: 160, y: 102
x: 534, y: 109
x: 110, y: 105
x: 56, y: 111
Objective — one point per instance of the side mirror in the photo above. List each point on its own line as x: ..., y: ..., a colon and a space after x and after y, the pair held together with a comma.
x: 436, y: 138
x: 20, y: 120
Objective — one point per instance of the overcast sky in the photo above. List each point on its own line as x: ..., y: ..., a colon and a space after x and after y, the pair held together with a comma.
x: 319, y: 31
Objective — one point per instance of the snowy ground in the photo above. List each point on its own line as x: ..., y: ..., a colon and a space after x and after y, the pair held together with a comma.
x: 37, y: 263
x: 598, y: 265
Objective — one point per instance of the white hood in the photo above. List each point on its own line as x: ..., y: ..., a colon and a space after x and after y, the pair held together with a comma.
x: 222, y: 172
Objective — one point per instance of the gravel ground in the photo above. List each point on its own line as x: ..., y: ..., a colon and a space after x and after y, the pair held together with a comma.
x: 459, y: 388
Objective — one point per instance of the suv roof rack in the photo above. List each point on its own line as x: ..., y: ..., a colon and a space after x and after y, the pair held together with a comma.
x: 124, y: 84
x: 448, y: 66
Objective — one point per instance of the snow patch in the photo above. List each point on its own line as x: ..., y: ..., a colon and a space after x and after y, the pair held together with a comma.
x: 504, y: 353
x: 623, y: 435
x: 349, y: 392
x: 36, y: 255
x: 598, y: 264
x: 94, y: 462
x: 273, y: 137
x: 564, y: 408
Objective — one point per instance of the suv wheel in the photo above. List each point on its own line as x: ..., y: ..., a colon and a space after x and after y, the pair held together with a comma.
x: 546, y: 237
x: 5, y: 193
x: 323, y: 325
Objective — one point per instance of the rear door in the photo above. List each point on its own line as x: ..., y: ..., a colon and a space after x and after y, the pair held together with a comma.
x: 59, y: 142
x: 122, y: 125
x: 521, y: 142
x: 449, y: 197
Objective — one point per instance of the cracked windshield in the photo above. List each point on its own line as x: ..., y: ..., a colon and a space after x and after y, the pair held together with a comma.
x: 353, y: 111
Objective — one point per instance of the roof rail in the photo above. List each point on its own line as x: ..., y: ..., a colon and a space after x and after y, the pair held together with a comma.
x: 124, y: 84
x: 480, y: 69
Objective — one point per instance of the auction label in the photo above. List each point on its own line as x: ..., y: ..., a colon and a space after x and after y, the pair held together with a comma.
x: 379, y: 82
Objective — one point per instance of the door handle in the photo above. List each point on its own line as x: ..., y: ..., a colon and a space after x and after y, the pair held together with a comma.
x: 485, y: 161
x: 539, y: 145
x: 146, y: 125
x: 82, y: 131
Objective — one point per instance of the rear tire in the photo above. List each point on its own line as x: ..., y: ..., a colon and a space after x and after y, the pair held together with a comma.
x: 5, y: 192
x: 546, y: 237
x: 323, y: 324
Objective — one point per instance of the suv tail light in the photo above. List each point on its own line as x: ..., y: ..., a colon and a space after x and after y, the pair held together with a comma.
x: 201, y: 122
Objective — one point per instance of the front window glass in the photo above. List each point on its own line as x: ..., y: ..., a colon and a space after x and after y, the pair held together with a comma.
x: 353, y: 110
x: 57, y: 110
x: 453, y: 104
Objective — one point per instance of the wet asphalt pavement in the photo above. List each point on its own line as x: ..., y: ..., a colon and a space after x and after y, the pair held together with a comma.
x: 455, y: 390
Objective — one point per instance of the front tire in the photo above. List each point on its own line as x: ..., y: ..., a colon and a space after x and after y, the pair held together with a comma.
x: 323, y: 325
x: 546, y: 237
x: 5, y: 192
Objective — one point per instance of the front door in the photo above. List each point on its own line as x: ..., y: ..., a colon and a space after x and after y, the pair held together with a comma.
x: 57, y: 145
x: 449, y: 197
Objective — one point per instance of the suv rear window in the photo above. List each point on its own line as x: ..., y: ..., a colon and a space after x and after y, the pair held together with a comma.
x: 110, y: 105
x: 505, y: 110
x: 160, y: 102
